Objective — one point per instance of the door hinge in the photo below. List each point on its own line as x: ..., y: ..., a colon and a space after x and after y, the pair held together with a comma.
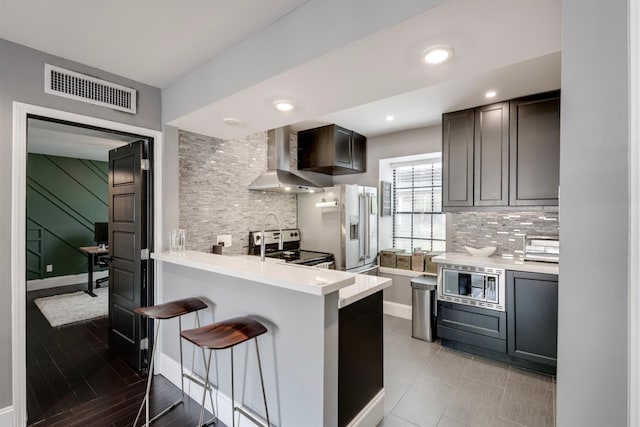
x: 144, y: 254
x: 144, y: 344
x: 144, y: 164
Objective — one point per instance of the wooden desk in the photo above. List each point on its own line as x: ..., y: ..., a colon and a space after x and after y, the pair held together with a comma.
x: 92, y: 252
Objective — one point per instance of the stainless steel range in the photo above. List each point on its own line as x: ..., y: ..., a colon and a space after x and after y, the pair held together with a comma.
x: 290, y: 251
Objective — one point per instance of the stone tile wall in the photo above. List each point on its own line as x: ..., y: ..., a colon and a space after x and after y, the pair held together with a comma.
x: 213, y: 191
x: 506, y: 230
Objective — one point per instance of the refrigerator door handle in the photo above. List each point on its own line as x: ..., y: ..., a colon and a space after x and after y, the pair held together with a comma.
x: 361, y: 249
x: 367, y: 233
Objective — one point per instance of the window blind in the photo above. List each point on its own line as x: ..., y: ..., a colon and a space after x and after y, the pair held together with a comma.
x: 418, y: 221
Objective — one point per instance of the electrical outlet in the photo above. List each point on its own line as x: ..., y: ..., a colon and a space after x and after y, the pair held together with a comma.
x: 224, y: 240
x: 49, y: 268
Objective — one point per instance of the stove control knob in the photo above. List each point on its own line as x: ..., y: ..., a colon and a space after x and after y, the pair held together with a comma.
x: 292, y: 234
x: 257, y: 238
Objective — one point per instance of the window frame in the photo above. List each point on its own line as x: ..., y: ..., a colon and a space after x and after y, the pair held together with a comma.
x: 412, y: 239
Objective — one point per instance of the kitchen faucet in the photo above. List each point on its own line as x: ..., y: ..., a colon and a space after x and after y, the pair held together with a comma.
x: 280, y: 240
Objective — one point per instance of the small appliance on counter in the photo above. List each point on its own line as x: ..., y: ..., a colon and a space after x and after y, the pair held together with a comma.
x: 342, y: 220
x: 542, y: 248
x: 291, y: 251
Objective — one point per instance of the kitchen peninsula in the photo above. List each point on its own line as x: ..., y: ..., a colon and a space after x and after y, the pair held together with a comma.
x: 301, y: 307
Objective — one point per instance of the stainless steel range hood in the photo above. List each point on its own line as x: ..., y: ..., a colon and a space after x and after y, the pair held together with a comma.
x: 278, y: 177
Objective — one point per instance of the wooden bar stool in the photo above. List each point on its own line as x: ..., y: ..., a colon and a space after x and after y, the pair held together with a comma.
x: 166, y: 311
x: 228, y: 334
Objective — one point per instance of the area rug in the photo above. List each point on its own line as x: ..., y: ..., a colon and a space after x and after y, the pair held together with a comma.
x: 74, y: 307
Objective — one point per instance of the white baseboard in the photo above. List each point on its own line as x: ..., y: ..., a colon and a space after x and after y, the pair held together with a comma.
x: 54, y: 282
x: 6, y: 416
x: 170, y: 369
x: 371, y: 414
x: 396, y: 309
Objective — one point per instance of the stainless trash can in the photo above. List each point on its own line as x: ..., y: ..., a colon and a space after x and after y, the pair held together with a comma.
x: 423, y: 299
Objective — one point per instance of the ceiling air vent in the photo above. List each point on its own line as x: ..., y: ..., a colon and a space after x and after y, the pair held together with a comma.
x: 69, y: 84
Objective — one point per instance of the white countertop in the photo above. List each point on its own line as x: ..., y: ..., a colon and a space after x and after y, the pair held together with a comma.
x: 463, y: 258
x: 315, y: 281
x: 402, y: 272
x: 365, y: 285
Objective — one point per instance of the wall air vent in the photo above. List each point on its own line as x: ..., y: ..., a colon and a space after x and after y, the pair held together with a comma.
x: 72, y: 85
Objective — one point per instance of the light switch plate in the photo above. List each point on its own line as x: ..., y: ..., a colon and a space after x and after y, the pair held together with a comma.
x: 224, y: 239
x: 49, y: 268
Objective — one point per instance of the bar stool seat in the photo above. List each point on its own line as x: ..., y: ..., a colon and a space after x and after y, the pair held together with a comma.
x: 224, y: 334
x: 227, y: 334
x: 170, y: 310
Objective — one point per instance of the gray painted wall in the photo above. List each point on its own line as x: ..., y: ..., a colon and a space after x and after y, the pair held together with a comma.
x: 22, y: 80
x: 592, y: 330
x: 397, y: 144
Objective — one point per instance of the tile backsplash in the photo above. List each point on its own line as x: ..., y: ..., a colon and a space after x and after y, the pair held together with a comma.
x: 214, y: 198
x: 506, y: 230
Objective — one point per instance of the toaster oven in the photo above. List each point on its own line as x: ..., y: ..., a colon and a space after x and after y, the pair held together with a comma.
x: 542, y: 248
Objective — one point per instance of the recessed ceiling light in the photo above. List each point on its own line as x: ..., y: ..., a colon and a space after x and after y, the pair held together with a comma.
x: 283, y: 105
x: 287, y: 188
x: 437, y: 54
x: 231, y: 121
x: 490, y: 94
x: 389, y: 118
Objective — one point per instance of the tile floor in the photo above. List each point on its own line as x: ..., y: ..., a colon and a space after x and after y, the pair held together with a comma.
x: 428, y: 385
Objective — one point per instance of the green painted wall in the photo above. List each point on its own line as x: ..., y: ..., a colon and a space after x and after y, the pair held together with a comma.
x: 65, y: 197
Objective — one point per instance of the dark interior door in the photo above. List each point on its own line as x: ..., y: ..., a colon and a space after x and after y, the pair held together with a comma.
x: 129, y: 271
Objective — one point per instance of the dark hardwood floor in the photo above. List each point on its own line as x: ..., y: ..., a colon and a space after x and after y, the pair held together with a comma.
x: 73, y: 379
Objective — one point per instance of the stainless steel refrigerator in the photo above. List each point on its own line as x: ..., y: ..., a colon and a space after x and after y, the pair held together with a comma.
x: 342, y: 220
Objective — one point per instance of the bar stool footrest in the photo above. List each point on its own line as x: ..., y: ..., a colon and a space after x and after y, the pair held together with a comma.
x: 200, y: 381
x: 212, y: 422
x: 167, y: 409
x: 252, y: 416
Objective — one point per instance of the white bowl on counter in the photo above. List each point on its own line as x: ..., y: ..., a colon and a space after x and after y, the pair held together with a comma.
x: 484, y: 252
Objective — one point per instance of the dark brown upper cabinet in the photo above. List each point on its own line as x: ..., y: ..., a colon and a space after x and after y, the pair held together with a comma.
x: 535, y: 150
x: 491, y: 153
x: 332, y: 150
x: 457, y: 158
x: 503, y: 154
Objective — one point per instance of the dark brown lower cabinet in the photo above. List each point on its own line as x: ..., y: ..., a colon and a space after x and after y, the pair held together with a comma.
x: 532, y: 307
x: 480, y: 328
x: 526, y: 335
x: 360, y: 353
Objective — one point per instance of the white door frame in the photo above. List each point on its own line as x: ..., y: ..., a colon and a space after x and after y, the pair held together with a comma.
x: 633, y: 418
x: 18, y: 226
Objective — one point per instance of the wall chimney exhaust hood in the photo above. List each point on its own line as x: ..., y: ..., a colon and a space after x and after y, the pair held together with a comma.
x: 278, y: 177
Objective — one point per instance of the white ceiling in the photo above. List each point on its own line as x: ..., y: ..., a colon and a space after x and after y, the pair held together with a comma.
x: 57, y: 139
x: 509, y: 46
x: 150, y: 41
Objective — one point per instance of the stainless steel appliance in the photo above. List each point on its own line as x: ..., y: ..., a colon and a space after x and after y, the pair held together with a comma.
x: 344, y: 221
x: 290, y: 251
x: 542, y: 248
x: 278, y: 177
x: 475, y: 286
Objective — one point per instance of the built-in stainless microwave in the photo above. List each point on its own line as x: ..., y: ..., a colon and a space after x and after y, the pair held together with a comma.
x: 476, y: 286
